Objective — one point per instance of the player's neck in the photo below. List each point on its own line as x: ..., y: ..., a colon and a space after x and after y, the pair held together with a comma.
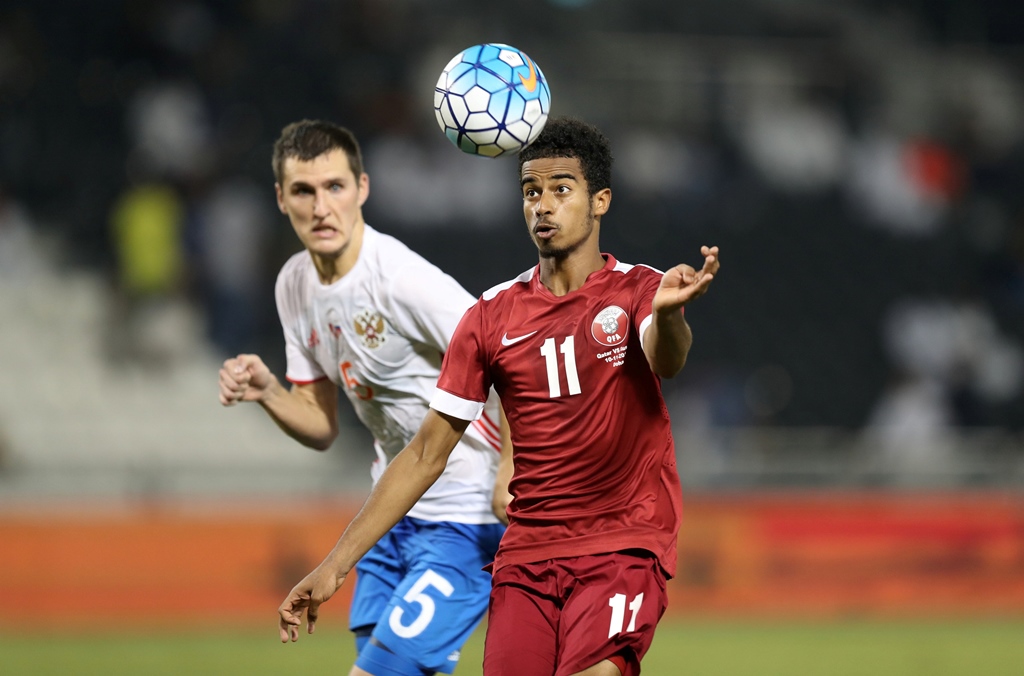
x: 332, y: 268
x: 565, y: 275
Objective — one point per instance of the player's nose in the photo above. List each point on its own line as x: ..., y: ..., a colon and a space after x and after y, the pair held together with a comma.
x: 320, y: 204
x: 544, y: 204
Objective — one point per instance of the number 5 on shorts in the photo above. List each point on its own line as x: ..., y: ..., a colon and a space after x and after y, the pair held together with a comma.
x: 618, y: 604
x: 416, y: 595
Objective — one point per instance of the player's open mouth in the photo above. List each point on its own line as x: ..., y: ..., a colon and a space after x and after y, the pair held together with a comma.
x: 324, y: 231
x: 544, y: 230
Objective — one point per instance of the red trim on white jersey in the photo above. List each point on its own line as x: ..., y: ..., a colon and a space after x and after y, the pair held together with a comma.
x: 486, y: 419
x: 489, y: 430
x: 305, y: 382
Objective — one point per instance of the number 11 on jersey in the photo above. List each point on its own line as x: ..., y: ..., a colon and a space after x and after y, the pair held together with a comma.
x: 567, y: 348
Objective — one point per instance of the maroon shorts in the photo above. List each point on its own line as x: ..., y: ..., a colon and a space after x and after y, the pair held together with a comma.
x: 559, y: 617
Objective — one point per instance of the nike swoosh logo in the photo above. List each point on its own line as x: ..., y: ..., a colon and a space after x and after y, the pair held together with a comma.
x: 506, y: 341
x: 529, y: 82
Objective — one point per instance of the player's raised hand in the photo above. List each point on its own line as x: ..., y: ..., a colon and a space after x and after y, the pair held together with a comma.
x: 683, y: 283
x: 305, y: 599
x: 243, y: 378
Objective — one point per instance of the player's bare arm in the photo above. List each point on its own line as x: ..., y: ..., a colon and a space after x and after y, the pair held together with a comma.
x: 501, y: 497
x: 307, y: 412
x: 405, y: 480
x: 668, y: 339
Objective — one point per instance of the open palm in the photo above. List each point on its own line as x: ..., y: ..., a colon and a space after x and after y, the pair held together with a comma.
x: 682, y: 283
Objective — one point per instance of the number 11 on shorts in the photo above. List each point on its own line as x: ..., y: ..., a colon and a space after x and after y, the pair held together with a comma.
x: 618, y: 604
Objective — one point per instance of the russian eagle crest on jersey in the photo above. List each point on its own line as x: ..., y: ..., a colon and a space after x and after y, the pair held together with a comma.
x: 610, y: 326
x: 380, y: 333
x: 371, y: 328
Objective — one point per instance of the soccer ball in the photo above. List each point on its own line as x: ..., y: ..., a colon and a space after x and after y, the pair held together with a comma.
x: 491, y: 100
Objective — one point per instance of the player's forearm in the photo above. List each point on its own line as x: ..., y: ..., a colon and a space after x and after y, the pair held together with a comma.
x: 299, y: 417
x: 667, y: 343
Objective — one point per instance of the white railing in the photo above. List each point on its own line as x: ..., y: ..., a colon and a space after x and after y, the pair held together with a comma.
x: 829, y: 457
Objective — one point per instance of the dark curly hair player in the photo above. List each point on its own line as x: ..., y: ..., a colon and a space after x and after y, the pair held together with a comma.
x: 569, y: 137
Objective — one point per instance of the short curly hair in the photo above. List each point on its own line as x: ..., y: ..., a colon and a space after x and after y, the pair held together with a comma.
x: 309, y: 139
x: 570, y: 137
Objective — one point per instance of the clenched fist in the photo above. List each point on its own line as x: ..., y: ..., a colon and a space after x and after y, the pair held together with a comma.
x: 244, y: 378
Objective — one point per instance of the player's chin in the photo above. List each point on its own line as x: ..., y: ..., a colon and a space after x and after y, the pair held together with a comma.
x: 331, y: 248
x: 548, y: 250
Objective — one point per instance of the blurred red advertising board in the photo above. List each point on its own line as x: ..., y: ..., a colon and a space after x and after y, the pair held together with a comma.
x: 793, y: 554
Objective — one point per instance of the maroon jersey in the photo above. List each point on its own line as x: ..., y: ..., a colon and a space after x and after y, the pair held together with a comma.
x: 595, y: 467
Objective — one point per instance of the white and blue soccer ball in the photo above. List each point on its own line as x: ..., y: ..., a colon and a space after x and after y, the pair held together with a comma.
x: 492, y: 99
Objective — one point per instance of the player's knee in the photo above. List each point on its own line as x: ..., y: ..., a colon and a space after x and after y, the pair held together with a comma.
x: 377, y: 660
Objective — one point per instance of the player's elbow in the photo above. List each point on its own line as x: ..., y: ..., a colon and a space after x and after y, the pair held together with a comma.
x: 430, y: 465
x: 428, y: 460
x: 668, y: 367
x: 321, y: 442
x: 427, y: 453
x: 666, y: 349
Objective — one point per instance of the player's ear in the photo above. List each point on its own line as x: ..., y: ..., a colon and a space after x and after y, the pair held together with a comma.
x: 280, y: 198
x: 600, y: 201
x: 364, y: 188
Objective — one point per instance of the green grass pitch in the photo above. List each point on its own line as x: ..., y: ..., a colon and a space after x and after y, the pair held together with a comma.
x: 733, y: 648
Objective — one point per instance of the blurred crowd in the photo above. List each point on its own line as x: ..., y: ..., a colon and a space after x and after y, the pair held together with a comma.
x: 858, y: 164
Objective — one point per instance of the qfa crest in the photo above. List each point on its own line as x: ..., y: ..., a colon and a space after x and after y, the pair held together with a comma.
x: 610, y: 326
x: 371, y: 329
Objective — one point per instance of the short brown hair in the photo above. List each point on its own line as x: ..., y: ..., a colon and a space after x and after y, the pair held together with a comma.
x: 309, y: 139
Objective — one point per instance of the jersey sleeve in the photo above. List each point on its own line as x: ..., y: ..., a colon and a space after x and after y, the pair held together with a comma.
x: 641, y: 313
x: 301, y: 367
x: 465, y: 379
x: 426, y: 304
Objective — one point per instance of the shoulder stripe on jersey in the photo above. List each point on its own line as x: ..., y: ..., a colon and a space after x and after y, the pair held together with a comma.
x: 490, y: 293
x: 650, y: 267
x: 457, y: 407
x: 626, y: 267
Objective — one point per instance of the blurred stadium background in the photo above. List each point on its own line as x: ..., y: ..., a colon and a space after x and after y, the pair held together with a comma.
x: 850, y: 426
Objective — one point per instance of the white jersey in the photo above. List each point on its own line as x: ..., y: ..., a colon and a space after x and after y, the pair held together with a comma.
x: 379, y: 333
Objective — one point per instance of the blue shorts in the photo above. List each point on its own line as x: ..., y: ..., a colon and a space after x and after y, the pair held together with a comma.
x: 423, y: 589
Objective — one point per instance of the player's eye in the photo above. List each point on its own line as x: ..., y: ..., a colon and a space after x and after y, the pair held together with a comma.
x: 337, y: 187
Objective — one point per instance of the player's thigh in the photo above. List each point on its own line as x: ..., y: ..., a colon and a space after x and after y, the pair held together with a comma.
x: 522, y: 628
x: 378, y: 574
x: 613, y: 610
x: 440, y: 601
